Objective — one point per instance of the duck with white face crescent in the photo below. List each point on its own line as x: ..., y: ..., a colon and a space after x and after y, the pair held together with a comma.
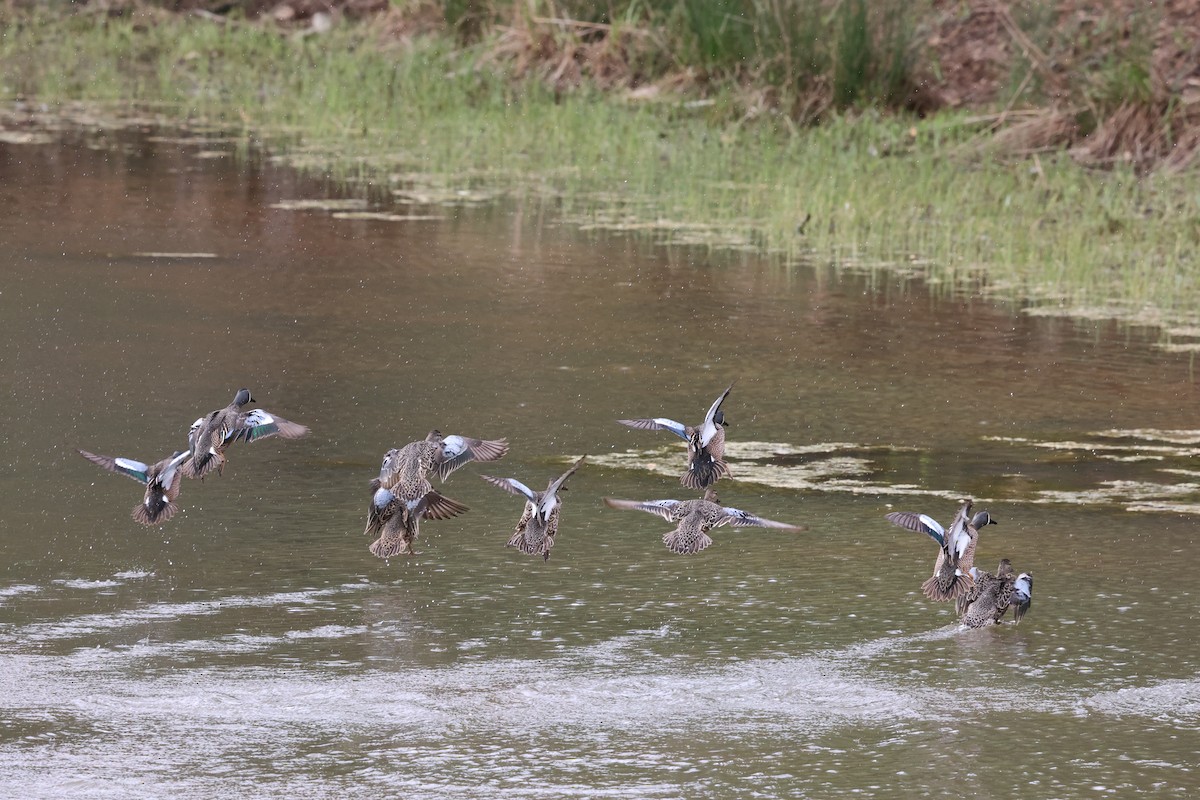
x: 951, y: 577
x: 212, y: 434
x: 706, y: 443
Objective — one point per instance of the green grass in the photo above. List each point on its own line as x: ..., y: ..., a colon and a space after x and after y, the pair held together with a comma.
x: 879, y: 192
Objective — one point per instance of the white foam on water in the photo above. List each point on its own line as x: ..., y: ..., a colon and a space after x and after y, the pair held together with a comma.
x: 91, y: 624
x: 595, y: 722
x: 83, y: 583
x: 1174, y: 701
x: 17, y: 589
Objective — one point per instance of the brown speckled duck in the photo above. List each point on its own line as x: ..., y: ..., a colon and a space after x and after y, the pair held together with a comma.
x: 989, y: 596
x: 992, y: 595
x: 535, y: 531
x: 161, y: 480
x: 695, y: 518
x: 403, y: 494
x: 212, y: 434
x: 706, y: 443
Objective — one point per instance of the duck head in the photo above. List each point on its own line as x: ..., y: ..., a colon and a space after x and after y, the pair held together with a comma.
x: 981, y: 519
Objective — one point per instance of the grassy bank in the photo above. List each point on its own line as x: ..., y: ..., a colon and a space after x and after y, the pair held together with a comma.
x: 921, y: 196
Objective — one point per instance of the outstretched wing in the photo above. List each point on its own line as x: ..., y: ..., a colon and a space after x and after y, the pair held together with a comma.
x: 662, y: 508
x: 125, y: 466
x: 434, y: 505
x: 658, y: 424
x: 743, y: 519
x: 259, y: 424
x: 458, y: 450
x: 558, y: 482
x: 512, y: 486
x: 921, y: 523
x: 709, y: 429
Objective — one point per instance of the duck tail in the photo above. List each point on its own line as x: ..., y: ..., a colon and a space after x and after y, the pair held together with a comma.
x: 390, y: 547
x: 202, y: 464
x: 157, y: 511
x: 704, y: 472
x: 686, y: 546
x: 529, y: 546
x: 944, y: 588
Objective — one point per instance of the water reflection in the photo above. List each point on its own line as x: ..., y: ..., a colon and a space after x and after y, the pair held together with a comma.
x: 255, y: 630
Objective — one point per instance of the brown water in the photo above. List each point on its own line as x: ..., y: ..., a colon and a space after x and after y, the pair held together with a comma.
x: 252, y: 645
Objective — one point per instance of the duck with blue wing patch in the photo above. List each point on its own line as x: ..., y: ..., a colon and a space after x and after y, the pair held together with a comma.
x: 535, y: 531
x: 695, y: 518
x: 706, y: 443
x: 212, y: 434
x: 403, y: 494
x: 989, y: 596
x: 397, y: 522
x: 162, y: 481
x: 951, y: 577
x: 436, y: 454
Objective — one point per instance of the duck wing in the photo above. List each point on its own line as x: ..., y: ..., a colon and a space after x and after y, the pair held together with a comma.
x: 921, y: 523
x: 434, y: 505
x: 1022, y: 597
x: 663, y: 508
x: 512, y: 486
x: 558, y: 482
x: 260, y: 423
x: 455, y: 451
x: 658, y: 424
x: 125, y: 466
x: 709, y: 428
x: 744, y: 519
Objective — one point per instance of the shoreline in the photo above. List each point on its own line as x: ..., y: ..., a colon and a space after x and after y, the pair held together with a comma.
x: 921, y: 197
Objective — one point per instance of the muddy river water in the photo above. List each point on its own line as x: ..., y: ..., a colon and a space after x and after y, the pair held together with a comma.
x: 253, y: 647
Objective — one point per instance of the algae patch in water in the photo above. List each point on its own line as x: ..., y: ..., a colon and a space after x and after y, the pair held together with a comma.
x: 25, y: 137
x: 838, y: 467
x: 383, y: 216
x: 1101, y: 448
x: 182, y: 256
x: 849, y: 468
x: 431, y: 196
x: 345, y: 204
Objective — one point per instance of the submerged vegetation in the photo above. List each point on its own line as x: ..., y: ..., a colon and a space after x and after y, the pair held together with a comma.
x: 727, y: 123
